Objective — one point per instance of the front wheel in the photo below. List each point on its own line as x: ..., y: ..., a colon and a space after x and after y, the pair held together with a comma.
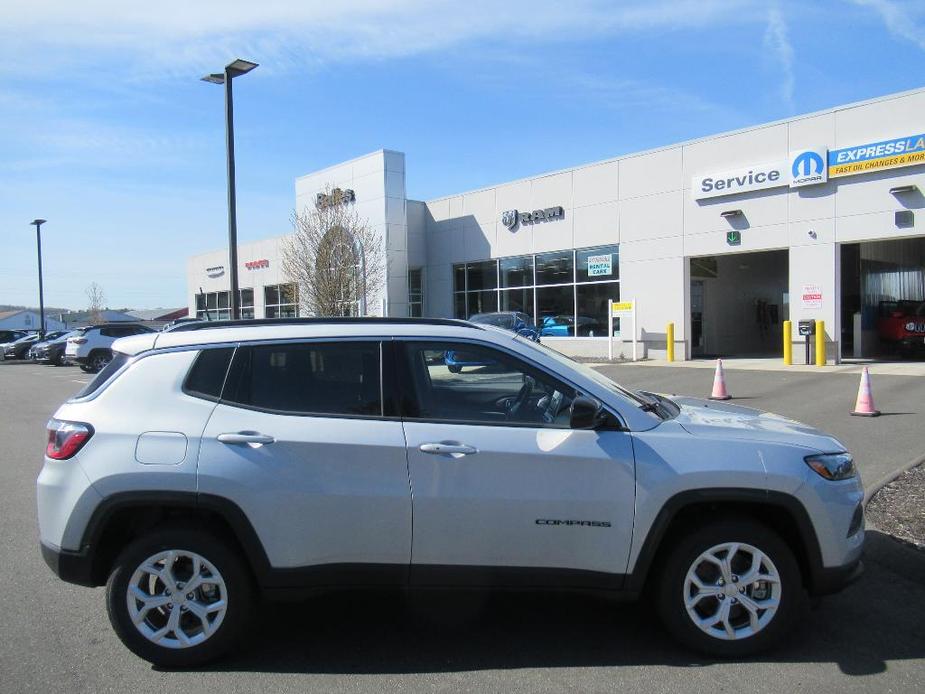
x: 179, y: 598
x: 730, y: 589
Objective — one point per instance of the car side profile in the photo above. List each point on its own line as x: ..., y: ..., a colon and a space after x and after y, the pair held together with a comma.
x: 217, y: 462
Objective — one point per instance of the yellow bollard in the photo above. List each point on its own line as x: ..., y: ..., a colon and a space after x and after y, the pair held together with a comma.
x: 820, y: 343
x: 669, y: 339
x: 788, y: 343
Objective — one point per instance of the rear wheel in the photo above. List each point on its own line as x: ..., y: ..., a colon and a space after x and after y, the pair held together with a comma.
x: 99, y: 359
x: 179, y: 598
x: 730, y: 588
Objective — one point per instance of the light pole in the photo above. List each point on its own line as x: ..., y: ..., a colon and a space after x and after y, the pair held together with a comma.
x: 37, y: 223
x: 234, y: 69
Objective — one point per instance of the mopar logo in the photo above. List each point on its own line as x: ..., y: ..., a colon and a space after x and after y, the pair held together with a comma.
x: 808, y: 167
x: 807, y: 164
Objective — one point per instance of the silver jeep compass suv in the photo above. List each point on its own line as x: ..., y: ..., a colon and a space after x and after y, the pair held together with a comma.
x: 219, y: 460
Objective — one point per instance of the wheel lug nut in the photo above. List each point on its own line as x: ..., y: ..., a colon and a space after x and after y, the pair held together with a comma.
x: 735, y: 579
x: 190, y: 596
x: 169, y: 605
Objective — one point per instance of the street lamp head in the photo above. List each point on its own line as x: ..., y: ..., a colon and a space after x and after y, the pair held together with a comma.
x: 215, y: 78
x: 240, y: 67
x: 37, y: 222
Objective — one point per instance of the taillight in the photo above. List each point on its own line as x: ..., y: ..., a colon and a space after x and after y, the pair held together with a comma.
x: 66, y: 438
x: 78, y: 340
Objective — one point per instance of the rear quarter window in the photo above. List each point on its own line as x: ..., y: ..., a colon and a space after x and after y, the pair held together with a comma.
x: 207, y: 375
x: 118, y: 361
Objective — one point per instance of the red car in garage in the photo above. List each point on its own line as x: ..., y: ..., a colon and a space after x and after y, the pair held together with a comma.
x: 901, y: 326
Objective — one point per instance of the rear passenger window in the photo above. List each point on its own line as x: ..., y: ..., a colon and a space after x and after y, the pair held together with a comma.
x: 207, y: 376
x: 336, y: 378
x: 118, y: 361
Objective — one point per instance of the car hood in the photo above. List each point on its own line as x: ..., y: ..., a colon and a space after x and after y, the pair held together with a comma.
x: 725, y: 420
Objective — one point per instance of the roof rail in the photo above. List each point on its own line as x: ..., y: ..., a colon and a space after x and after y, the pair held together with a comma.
x: 252, y: 322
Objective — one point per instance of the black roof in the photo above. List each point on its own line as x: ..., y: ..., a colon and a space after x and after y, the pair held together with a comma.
x: 251, y: 322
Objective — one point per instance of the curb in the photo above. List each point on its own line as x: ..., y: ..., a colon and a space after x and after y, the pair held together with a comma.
x: 870, y: 491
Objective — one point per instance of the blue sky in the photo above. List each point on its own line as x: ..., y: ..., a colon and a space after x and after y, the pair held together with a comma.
x: 107, y: 132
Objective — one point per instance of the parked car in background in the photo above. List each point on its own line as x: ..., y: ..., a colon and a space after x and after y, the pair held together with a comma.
x: 516, y: 322
x: 51, y: 351
x: 20, y: 348
x: 565, y: 326
x: 8, y: 337
x: 30, y: 353
x: 901, y: 326
x: 91, y: 349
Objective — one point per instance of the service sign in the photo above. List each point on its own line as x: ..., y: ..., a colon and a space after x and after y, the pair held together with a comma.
x: 741, y: 180
x: 888, y: 154
x: 600, y: 265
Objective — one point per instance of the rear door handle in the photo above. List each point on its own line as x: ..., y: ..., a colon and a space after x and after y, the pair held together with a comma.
x: 454, y: 450
x: 249, y: 437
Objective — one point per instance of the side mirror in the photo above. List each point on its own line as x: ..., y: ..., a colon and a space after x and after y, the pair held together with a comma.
x: 585, y: 413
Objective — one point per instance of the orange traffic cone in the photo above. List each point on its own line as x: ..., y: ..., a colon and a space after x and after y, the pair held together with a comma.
x: 719, y: 383
x: 864, y: 407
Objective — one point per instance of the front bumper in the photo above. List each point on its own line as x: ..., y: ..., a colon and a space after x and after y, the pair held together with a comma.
x: 829, y: 580
x: 73, y: 567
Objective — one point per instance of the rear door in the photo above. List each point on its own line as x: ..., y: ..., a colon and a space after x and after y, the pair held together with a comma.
x: 504, y: 491
x: 302, y: 443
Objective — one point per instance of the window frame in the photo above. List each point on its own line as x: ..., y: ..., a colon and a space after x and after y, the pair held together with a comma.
x: 386, y: 391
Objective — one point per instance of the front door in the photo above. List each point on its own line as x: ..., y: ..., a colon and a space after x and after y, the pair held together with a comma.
x: 504, y: 492
x: 299, y: 442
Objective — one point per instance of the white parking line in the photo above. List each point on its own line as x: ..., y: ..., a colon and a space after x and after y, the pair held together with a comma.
x: 74, y: 380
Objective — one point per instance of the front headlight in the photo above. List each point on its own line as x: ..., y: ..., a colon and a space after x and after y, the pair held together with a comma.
x: 832, y: 466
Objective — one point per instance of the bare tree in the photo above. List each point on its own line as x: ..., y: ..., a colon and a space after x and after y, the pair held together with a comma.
x: 335, y: 257
x: 96, y: 299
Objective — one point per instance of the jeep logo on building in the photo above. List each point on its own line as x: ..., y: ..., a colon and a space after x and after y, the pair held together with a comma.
x: 510, y: 218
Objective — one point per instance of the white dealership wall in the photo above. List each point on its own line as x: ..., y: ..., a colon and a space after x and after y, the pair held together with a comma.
x: 643, y: 202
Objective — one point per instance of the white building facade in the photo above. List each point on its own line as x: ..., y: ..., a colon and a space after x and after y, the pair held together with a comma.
x: 816, y: 217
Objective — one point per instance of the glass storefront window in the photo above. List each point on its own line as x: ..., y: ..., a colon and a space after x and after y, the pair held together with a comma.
x: 597, y: 264
x: 516, y: 272
x: 281, y: 301
x: 555, y: 268
x: 592, y: 308
x: 517, y: 300
x: 459, y: 305
x: 459, y: 278
x: 555, y: 311
x: 482, y: 275
x: 482, y: 302
x: 415, y: 293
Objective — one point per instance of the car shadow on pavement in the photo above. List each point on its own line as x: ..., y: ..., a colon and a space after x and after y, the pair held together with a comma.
x: 878, y: 619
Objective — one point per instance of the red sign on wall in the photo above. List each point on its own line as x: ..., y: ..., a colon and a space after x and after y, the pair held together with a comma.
x: 257, y: 264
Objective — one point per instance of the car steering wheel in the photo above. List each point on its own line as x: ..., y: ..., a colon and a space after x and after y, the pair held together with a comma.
x: 521, y: 398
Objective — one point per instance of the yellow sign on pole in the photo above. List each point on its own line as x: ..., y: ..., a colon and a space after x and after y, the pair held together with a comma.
x: 621, y: 307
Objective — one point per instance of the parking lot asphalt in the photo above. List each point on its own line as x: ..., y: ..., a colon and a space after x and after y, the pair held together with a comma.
x: 55, y: 637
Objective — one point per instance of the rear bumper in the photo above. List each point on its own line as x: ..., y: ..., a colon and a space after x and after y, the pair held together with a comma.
x: 73, y: 567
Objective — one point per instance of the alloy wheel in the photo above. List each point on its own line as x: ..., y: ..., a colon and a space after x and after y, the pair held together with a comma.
x: 177, y: 599
x: 732, y: 591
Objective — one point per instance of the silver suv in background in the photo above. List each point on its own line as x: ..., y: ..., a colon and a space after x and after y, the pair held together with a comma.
x: 217, y: 461
x: 91, y: 347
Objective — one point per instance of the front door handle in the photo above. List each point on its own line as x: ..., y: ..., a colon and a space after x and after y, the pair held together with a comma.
x: 454, y: 450
x: 248, y: 437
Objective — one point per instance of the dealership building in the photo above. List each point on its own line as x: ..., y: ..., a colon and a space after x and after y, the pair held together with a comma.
x: 817, y: 217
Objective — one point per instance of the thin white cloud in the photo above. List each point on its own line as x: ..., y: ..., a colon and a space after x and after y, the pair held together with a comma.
x: 901, y: 19
x: 174, y: 36
x: 777, y: 41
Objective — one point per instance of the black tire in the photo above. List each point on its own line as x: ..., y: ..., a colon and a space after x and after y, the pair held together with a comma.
x: 240, y: 596
x: 454, y: 368
x: 99, y: 359
x: 86, y: 369
x: 673, y: 571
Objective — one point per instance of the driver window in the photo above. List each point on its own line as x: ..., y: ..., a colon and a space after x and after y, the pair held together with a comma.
x: 473, y: 384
